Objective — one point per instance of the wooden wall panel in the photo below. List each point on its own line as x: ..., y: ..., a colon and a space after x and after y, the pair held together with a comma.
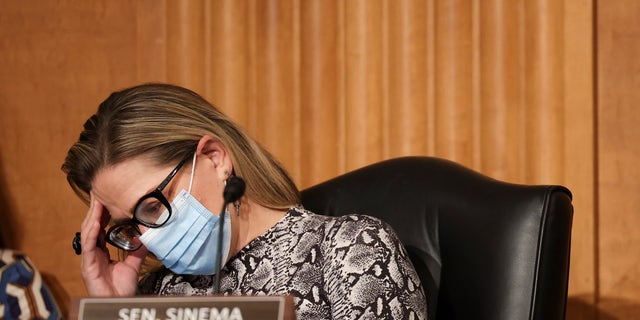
x: 501, y: 82
x: 275, y: 116
x: 151, y: 34
x: 618, y: 157
x: 59, y: 60
x: 482, y: 83
x: 544, y: 89
x: 505, y: 87
x: 489, y: 84
x: 454, y: 109
x: 321, y: 90
x: 185, y: 44
x: 580, y: 159
x: 227, y: 57
x: 256, y: 42
x: 406, y: 112
x: 363, y: 108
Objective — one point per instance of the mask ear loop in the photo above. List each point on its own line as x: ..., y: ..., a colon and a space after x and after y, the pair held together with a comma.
x: 193, y: 171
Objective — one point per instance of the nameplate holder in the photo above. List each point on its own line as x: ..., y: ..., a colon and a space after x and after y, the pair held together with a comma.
x: 184, y: 308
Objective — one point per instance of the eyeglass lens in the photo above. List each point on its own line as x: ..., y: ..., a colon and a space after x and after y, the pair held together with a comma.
x: 125, y: 236
x: 153, y: 211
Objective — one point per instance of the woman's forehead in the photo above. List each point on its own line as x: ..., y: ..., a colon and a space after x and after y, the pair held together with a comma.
x: 119, y: 187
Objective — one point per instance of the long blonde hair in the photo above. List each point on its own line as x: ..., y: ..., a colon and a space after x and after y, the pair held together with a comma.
x: 164, y: 123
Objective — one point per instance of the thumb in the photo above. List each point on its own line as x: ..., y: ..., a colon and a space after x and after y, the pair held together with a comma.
x: 135, y: 258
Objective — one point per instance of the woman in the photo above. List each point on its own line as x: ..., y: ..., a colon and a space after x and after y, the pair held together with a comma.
x: 153, y: 163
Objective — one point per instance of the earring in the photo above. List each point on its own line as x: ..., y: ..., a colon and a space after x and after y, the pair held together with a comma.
x: 226, y: 174
x: 236, y: 205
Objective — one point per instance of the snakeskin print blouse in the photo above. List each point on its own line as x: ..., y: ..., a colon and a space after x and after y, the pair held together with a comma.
x: 349, y: 267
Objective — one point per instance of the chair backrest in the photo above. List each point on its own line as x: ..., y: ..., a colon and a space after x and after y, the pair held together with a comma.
x: 484, y: 249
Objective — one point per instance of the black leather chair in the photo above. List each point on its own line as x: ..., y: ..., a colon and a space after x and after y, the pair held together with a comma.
x: 484, y: 249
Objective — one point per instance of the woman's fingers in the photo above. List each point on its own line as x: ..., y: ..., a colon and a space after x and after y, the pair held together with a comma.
x: 135, y: 258
x: 95, y: 255
x: 91, y: 226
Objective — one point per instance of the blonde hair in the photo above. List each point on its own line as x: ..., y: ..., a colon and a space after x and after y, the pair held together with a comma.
x: 164, y: 123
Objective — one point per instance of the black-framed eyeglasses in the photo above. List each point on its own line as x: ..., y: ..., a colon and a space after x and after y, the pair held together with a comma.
x: 153, y: 210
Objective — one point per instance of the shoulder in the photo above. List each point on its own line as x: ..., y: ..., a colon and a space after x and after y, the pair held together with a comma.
x: 351, y: 234
x: 361, y: 229
x: 345, y: 222
x: 367, y: 271
x: 331, y: 233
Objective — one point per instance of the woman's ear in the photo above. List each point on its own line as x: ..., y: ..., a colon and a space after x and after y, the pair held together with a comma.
x: 214, y: 150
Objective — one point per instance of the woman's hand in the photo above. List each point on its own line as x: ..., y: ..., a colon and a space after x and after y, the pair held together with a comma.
x: 102, y: 276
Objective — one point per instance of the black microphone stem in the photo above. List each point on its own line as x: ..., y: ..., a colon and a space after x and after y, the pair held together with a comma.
x: 223, y: 216
x: 233, y: 191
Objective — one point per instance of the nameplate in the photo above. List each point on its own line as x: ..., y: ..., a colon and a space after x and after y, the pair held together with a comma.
x: 184, y: 308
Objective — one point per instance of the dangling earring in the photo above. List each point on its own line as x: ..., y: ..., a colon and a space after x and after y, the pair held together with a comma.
x: 236, y: 205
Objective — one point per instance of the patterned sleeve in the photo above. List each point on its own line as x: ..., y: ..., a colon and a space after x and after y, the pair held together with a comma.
x: 369, y: 274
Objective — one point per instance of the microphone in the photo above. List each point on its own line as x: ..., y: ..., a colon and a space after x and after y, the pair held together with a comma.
x: 233, y: 190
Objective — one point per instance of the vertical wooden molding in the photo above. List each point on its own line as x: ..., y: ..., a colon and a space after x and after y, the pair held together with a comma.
x: 275, y: 65
x: 476, y: 92
x: 151, y: 60
x: 544, y: 113
x: 579, y: 167
x: 320, y: 87
x: 342, y: 88
x: 618, y: 154
x: 491, y: 68
x: 501, y: 98
x: 251, y: 98
x: 406, y: 79
x: 296, y: 77
x: 432, y: 29
x: 185, y: 44
x: 454, y: 81
x: 227, y: 57
x: 363, y: 82
x: 385, y: 111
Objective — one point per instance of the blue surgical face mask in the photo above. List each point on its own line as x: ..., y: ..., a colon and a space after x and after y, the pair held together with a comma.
x: 186, y: 244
